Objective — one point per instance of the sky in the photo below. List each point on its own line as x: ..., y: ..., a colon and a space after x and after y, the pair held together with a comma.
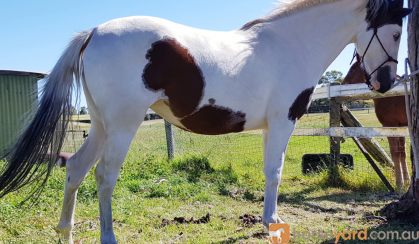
x: 34, y: 33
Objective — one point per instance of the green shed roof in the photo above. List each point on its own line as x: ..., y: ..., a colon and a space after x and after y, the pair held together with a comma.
x: 22, y: 73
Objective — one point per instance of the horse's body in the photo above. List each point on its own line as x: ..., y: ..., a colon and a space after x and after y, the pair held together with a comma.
x: 224, y: 64
x: 203, y: 81
x: 391, y: 112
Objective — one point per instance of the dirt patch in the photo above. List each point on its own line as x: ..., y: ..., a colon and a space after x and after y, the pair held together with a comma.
x: 260, y: 235
x: 88, y: 225
x: 316, y: 208
x: 249, y: 220
x: 182, y: 220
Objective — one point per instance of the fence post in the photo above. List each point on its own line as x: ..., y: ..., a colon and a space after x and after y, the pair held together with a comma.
x: 334, y: 142
x: 170, y: 140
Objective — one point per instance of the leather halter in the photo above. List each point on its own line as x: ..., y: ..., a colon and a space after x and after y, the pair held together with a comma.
x: 360, y: 59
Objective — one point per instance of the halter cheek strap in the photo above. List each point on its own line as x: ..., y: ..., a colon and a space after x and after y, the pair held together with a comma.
x: 361, y: 59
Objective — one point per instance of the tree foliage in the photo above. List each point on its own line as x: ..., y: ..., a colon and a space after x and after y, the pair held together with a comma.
x: 331, y: 77
x: 83, y: 110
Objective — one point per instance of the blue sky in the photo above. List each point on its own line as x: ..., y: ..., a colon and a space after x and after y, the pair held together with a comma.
x: 34, y: 33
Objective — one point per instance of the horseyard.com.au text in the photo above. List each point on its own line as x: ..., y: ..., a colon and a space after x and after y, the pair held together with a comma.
x: 282, y: 234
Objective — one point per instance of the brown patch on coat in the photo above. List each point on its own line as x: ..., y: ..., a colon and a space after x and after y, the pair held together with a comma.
x: 214, y: 120
x: 300, y: 105
x: 171, y: 68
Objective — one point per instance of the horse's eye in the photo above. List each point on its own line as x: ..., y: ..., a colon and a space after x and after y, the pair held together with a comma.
x: 396, y: 36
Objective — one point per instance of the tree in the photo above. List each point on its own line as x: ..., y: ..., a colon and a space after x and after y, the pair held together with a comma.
x: 414, y: 98
x: 322, y: 105
x: 407, y: 208
x: 73, y: 110
x: 331, y: 77
x: 83, y: 110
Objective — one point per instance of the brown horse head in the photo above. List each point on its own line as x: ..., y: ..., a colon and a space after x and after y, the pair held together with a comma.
x: 355, y: 75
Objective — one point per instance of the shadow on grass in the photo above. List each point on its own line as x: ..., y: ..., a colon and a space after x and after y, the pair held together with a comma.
x: 301, y: 199
x: 358, y: 197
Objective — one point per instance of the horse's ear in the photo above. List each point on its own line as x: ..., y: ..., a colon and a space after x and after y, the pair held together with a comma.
x: 397, y: 10
x: 397, y: 4
x: 399, y: 14
x: 403, y: 12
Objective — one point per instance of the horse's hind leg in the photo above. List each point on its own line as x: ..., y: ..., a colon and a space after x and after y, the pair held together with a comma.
x: 77, y: 168
x: 118, y: 139
x: 394, y: 148
x: 406, y: 175
x: 399, y: 158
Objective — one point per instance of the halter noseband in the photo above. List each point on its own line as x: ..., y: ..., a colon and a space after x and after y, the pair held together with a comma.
x: 361, y: 59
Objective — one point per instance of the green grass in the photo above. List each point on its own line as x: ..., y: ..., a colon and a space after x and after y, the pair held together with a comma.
x: 219, y: 175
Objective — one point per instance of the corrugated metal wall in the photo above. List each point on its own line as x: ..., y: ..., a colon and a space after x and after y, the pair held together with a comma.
x: 18, y: 96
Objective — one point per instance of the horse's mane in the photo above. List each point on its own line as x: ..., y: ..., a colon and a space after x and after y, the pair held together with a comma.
x: 375, y: 8
x: 288, y: 7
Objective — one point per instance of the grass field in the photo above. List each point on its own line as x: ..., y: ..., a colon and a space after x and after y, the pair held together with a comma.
x: 220, y: 176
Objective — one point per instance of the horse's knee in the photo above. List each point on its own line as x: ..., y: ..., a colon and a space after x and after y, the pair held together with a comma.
x: 272, y: 176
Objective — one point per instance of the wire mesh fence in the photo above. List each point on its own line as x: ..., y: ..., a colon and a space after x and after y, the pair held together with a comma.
x: 74, y: 139
x: 246, y: 148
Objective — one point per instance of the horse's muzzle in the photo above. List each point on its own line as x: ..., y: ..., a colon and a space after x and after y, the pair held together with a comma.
x: 384, y: 79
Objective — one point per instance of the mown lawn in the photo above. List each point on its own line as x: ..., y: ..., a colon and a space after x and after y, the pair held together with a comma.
x: 220, y: 176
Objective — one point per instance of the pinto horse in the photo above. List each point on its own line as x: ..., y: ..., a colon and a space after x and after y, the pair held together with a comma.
x: 391, y: 112
x: 209, y: 82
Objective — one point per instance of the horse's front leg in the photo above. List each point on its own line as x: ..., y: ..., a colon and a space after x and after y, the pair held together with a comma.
x: 275, y: 144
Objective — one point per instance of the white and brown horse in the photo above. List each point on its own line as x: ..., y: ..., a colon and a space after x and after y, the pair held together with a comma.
x: 258, y: 77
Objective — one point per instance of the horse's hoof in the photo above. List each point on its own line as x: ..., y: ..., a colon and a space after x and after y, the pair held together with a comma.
x: 65, y: 235
x: 272, y: 220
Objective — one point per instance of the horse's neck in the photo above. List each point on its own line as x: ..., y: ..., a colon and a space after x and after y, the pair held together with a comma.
x: 315, y: 36
x: 355, y: 75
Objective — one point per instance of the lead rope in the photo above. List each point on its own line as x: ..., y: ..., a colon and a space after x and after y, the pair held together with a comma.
x: 406, y: 78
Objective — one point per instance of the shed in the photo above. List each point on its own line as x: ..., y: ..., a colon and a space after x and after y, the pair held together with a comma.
x: 18, y: 96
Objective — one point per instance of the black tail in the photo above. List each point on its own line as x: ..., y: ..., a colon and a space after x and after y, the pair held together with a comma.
x: 33, y: 157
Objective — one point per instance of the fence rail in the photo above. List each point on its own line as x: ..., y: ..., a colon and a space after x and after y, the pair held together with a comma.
x: 364, y: 132
x: 355, y: 92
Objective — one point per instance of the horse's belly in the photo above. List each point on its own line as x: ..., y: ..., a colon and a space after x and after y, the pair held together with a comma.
x: 209, y: 119
x: 164, y: 111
